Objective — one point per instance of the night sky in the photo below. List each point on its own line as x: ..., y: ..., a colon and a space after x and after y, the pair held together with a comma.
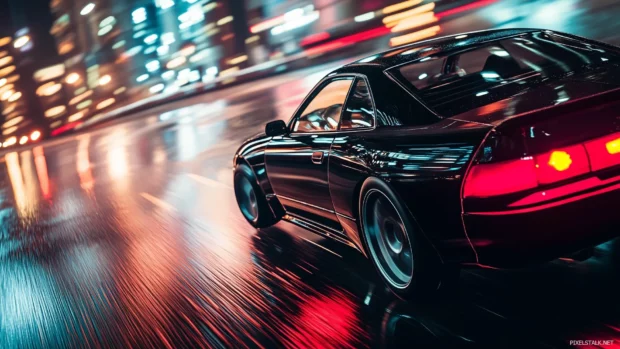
x: 4, y: 16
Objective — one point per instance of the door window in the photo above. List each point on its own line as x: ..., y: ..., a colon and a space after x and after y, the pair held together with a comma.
x: 359, y: 111
x: 323, y: 112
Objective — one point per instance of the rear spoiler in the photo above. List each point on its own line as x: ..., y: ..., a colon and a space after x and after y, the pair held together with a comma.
x: 604, y: 99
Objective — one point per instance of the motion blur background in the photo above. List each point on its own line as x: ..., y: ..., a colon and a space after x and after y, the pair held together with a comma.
x: 128, y: 234
x: 66, y: 62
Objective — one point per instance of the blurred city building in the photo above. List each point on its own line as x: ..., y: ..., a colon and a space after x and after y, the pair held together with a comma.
x: 98, y: 55
x: 117, y: 51
x: 24, y: 51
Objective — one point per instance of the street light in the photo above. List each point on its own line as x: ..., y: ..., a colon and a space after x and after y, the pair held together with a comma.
x: 104, y: 80
x: 72, y: 78
x: 87, y: 9
x: 21, y: 41
x: 35, y: 135
x: 139, y: 15
x: 142, y: 78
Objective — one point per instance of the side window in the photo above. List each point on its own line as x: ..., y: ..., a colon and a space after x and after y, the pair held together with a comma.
x: 323, y: 111
x: 359, y: 111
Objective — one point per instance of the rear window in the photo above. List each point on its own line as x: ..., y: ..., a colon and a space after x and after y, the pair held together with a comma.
x: 455, y: 83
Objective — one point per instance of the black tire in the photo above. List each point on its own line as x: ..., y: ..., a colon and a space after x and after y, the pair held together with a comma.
x: 251, y: 199
x: 402, y: 255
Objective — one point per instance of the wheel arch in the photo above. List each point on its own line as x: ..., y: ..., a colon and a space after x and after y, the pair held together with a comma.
x: 358, y: 198
x: 259, y: 170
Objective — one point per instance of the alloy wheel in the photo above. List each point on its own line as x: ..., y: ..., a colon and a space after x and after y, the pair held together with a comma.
x: 246, y: 198
x: 387, y: 239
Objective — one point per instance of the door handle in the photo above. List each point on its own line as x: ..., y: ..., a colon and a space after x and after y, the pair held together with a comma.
x: 317, y: 157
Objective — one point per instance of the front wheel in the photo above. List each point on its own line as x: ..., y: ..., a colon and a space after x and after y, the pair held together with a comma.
x: 405, y: 260
x: 250, y: 198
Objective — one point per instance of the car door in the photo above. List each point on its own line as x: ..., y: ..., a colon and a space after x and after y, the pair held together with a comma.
x: 297, y: 163
x: 349, y: 156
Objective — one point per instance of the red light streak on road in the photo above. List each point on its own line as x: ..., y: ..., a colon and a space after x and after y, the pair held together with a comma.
x: 325, y: 321
x: 41, y: 167
x: 83, y: 164
x: 617, y: 329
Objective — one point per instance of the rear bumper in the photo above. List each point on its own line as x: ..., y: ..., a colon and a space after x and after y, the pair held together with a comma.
x: 547, y: 230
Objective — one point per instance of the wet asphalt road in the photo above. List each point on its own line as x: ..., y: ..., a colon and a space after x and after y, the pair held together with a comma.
x: 129, y: 236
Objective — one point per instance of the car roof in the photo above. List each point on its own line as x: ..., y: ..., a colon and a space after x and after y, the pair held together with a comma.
x: 419, y: 50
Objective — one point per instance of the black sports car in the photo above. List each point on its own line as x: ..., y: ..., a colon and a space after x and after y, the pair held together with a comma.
x: 493, y: 148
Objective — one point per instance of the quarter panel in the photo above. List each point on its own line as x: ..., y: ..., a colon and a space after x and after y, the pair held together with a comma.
x: 424, y: 165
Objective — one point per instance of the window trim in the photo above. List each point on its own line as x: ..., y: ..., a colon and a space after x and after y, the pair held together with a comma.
x: 315, y: 90
x: 372, y: 102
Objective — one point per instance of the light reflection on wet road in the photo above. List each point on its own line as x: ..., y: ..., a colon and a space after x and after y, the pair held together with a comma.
x: 129, y: 236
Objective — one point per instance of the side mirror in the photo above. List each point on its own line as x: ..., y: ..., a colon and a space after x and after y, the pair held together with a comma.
x: 275, y: 128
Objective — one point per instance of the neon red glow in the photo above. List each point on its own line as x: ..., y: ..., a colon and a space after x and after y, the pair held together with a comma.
x: 471, y: 6
x: 314, y: 38
x: 372, y: 33
x: 604, y: 152
x: 549, y: 205
x: 504, y: 177
x: 66, y: 127
x: 348, y: 40
x: 555, y: 193
x: 329, y: 318
x: 561, y: 164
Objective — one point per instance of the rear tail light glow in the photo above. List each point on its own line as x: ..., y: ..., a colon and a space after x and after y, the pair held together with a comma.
x: 493, y: 179
x: 613, y: 147
x: 501, y: 178
x: 560, y: 160
x: 604, y: 152
x: 561, y: 164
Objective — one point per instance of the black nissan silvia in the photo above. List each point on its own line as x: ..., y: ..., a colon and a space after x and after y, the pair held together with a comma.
x: 497, y: 148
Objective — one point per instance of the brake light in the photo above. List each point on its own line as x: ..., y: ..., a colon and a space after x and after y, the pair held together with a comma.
x: 604, y: 152
x: 486, y: 180
x: 613, y: 147
x: 560, y: 160
x: 504, y: 177
x: 561, y: 164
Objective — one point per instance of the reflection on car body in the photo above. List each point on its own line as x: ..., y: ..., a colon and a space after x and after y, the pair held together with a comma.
x: 492, y: 148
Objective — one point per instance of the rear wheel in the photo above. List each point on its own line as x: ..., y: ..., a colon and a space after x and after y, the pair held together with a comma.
x: 250, y: 198
x: 405, y: 260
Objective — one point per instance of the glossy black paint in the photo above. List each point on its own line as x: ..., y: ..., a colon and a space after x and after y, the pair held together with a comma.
x: 424, y: 164
x: 425, y: 158
x: 300, y: 181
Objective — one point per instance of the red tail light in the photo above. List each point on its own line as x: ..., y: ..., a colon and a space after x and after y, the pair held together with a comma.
x: 504, y: 177
x: 493, y: 179
x: 561, y: 164
x: 604, y: 152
